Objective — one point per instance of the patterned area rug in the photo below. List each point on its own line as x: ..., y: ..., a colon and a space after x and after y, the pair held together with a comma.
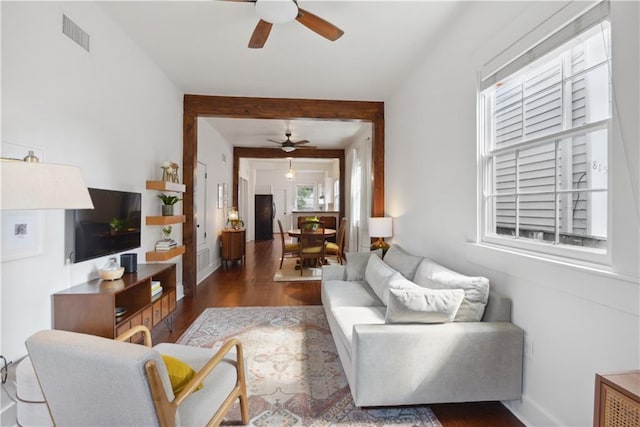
x: 294, y: 375
x: 288, y: 273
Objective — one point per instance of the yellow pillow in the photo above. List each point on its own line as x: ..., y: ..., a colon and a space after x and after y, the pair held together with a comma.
x: 179, y: 373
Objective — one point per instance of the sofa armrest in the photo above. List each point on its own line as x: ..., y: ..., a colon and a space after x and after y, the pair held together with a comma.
x: 334, y: 272
x: 451, y: 362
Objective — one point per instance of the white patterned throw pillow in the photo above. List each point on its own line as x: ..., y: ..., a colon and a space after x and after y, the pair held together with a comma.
x: 423, y: 305
x: 476, y: 289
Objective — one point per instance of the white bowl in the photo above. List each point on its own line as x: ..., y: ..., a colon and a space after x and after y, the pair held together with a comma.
x: 111, y: 274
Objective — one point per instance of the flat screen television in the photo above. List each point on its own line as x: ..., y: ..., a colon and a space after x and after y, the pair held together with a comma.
x: 112, y: 226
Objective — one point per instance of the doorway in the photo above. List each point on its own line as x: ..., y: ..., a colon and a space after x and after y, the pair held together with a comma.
x: 271, y: 108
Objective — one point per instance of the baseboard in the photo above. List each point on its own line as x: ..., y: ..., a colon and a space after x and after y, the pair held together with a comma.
x: 530, y: 413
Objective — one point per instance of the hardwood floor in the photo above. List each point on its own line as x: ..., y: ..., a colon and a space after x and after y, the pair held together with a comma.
x: 252, y: 285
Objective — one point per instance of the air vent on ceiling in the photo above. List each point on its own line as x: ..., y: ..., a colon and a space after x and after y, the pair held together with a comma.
x: 75, y: 33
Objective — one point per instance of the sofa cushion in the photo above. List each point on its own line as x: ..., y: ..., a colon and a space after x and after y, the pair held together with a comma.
x: 347, y: 317
x: 357, y: 263
x: 476, y: 289
x: 377, y: 275
x: 397, y: 281
x: 338, y: 293
x: 423, y: 305
x: 402, y: 261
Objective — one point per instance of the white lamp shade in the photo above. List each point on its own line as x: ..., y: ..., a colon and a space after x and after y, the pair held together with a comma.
x: 276, y: 11
x: 42, y: 186
x: 233, y: 214
x: 381, y: 227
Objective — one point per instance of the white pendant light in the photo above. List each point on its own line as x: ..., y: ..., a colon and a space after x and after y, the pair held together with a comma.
x: 291, y: 174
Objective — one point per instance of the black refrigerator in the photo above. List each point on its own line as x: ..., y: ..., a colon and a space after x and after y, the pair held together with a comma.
x: 265, y: 213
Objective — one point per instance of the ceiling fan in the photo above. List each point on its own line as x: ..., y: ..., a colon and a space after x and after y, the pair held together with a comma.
x: 289, y: 145
x: 281, y: 11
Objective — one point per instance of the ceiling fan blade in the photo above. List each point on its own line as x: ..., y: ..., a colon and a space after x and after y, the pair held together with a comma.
x: 304, y: 141
x: 319, y: 25
x: 273, y: 140
x: 260, y: 34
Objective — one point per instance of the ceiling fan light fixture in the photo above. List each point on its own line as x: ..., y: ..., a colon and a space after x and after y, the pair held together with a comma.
x: 287, y: 148
x: 276, y: 11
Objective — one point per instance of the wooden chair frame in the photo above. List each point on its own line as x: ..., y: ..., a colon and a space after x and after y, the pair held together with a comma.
x: 311, y: 238
x: 166, y: 409
x: 292, y: 251
x: 342, y: 232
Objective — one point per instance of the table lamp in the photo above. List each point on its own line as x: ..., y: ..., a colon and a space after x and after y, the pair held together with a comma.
x: 234, y: 219
x: 380, y: 227
x: 29, y: 184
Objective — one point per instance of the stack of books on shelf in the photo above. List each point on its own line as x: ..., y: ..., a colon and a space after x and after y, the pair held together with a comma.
x: 165, y: 245
x: 156, y: 288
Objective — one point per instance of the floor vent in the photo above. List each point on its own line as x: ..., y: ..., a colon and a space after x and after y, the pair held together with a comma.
x: 75, y: 33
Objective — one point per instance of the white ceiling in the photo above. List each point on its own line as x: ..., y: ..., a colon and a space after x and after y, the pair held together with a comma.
x: 202, y: 48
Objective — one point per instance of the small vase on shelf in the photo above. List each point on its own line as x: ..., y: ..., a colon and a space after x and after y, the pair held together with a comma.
x: 167, y: 210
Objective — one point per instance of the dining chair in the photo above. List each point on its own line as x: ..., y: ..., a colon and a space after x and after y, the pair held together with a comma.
x: 337, y: 249
x: 289, y: 250
x: 311, y: 243
x: 88, y: 380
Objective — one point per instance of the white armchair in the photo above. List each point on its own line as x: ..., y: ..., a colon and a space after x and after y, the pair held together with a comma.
x: 89, y: 380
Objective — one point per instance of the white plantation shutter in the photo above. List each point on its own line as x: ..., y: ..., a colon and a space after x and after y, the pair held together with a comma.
x: 545, y: 137
x: 539, y: 113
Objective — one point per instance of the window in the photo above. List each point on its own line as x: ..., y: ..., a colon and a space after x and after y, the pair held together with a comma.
x: 305, y: 197
x: 544, y: 146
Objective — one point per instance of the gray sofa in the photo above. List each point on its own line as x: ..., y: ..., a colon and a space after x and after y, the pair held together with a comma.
x: 466, y: 352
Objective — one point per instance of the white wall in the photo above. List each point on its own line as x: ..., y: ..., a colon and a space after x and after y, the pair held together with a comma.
x: 212, y: 149
x: 577, y: 321
x: 109, y: 111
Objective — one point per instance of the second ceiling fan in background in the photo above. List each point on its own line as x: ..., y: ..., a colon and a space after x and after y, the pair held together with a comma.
x: 281, y: 11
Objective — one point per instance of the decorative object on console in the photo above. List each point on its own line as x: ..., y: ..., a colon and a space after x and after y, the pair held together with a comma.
x: 234, y: 219
x: 168, y: 202
x: 111, y: 270
x: 129, y: 262
x: 380, y: 227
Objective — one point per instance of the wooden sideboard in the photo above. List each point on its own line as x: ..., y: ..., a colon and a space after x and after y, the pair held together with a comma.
x: 617, y: 400
x: 90, y: 307
x: 233, y: 245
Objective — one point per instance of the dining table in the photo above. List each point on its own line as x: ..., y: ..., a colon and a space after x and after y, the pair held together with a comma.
x: 328, y: 232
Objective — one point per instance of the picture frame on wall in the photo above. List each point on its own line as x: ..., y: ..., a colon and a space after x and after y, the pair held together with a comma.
x: 22, y: 234
x: 220, y: 196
